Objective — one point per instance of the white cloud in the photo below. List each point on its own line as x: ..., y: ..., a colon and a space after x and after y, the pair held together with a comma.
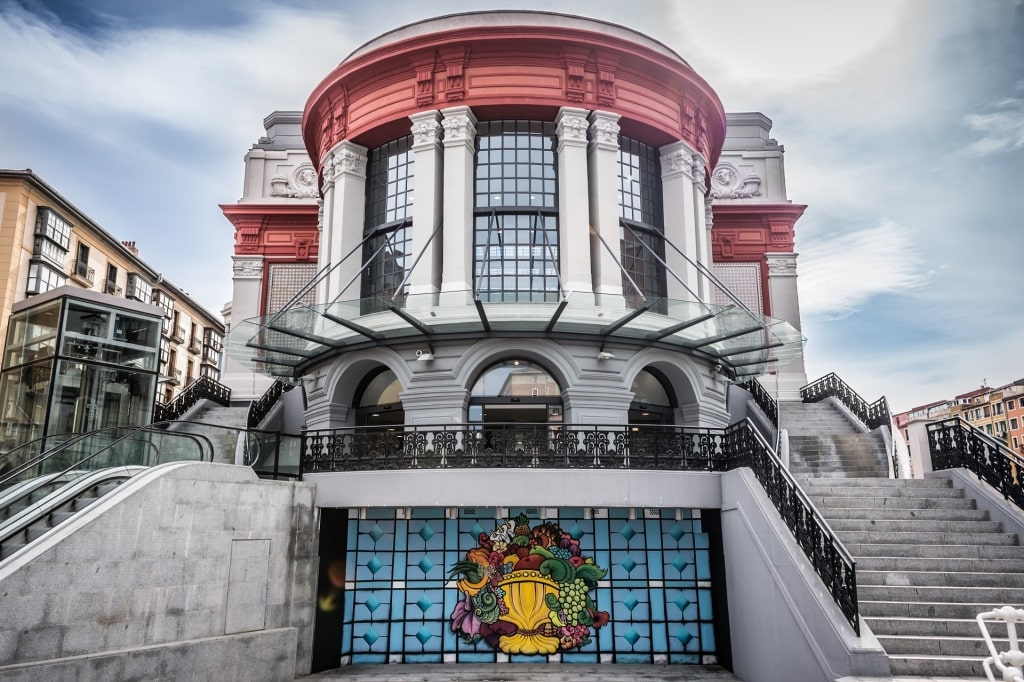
x: 840, y: 273
x: 1001, y: 129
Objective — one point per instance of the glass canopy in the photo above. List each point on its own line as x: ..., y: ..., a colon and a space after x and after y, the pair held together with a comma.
x: 286, y: 344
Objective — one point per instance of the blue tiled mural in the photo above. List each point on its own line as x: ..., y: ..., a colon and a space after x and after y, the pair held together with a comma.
x: 651, y: 603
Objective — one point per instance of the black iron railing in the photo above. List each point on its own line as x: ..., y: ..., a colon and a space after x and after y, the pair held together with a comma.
x: 763, y: 399
x: 260, y: 408
x: 956, y: 443
x: 660, y: 448
x: 872, y: 415
x: 203, y: 387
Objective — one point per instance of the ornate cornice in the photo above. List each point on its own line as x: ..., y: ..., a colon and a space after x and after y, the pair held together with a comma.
x: 571, y: 127
x: 459, y: 125
x: 604, y: 130
x: 247, y: 267
x: 426, y: 129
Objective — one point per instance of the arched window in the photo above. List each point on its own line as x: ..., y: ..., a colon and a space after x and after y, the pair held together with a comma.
x: 653, y: 400
x: 515, y: 235
x: 515, y: 391
x: 641, y: 222
x: 377, y: 399
x: 388, y: 225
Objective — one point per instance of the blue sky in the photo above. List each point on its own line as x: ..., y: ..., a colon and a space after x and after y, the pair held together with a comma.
x: 903, y: 122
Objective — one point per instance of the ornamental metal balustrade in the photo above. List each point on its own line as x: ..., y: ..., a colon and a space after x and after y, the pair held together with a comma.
x: 873, y: 415
x: 202, y: 388
x: 763, y: 399
x: 260, y: 408
x: 956, y: 443
x: 576, y: 446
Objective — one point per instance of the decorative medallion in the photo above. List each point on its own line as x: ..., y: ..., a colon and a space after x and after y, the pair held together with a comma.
x: 527, y: 590
x: 300, y: 185
x: 727, y: 182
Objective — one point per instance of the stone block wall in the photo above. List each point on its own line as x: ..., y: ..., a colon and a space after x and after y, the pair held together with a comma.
x: 180, y: 555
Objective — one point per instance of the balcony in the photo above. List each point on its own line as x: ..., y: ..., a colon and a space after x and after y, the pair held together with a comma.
x: 174, y: 378
x: 81, y: 272
x: 110, y: 287
x: 195, y: 346
x: 210, y: 357
x: 178, y: 334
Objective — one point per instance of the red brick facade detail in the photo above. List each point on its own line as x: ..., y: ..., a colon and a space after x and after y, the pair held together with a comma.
x: 274, y: 230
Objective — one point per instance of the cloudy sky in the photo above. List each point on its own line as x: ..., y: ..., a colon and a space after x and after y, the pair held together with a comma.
x: 903, y: 122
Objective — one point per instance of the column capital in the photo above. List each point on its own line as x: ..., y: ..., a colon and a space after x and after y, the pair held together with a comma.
x: 698, y: 168
x: 459, y: 125
x: 426, y: 129
x: 604, y: 130
x: 247, y: 267
x: 345, y: 158
x: 781, y: 264
x: 676, y: 160
x: 571, y: 127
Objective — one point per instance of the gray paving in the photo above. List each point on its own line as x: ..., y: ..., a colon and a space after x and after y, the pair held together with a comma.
x: 511, y: 672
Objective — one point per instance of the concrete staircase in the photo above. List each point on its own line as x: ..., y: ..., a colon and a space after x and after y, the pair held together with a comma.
x: 928, y: 561
x: 824, y: 443
x: 205, y: 422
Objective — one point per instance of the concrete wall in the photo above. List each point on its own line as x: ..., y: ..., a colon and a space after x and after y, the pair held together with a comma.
x: 186, y: 563
x: 783, y: 622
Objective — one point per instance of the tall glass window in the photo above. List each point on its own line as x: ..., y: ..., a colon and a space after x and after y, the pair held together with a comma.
x: 389, y: 196
x: 515, y: 236
x: 642, y: 224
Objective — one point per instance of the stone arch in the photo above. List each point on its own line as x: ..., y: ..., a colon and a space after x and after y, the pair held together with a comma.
x: 554, y: 358
x: 333, y: 408
x: 699, y: 403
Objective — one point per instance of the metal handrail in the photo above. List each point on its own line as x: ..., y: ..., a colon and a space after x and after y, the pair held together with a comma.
x: 763, y: 399
x: 260, y: 408
x: 203, y: 387
x: 955, y: 442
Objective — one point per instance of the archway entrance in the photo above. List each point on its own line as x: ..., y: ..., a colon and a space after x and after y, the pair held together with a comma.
x: 653, y: 400
x: 378, y: 403
x: 515, y: 392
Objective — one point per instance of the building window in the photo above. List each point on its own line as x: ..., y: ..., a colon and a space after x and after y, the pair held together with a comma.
x: 161, y: 299
x: 110, y: 283
x: 139, y: 288
x: 515, y: 391
x: 1013, y: 423
x: 515, y: 236
x: 42, y: 277
x: 388, y: 226
x: 53, y: 227
x: 1009, y: 404
x: 51, y: 251
x: 642, y: 224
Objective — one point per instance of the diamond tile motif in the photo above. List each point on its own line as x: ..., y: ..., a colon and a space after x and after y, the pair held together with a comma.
x: 680, y: 564
x: 424, y: 603
x: 576, y: 532
x: 423, y: 635
x: 372, y: 603
x: 630, y: 602
x: 374, y: 565
x: 677, y: 532
x: 682, y: 602
x: 376, y: 532
x: 476, y: 530
x: 684, y: 635
x: 628, y: 563
x: 426, y: 532
x: 370, y: 636
x: 425, y: 564
x: 627, y: 532
x: 631, y: 636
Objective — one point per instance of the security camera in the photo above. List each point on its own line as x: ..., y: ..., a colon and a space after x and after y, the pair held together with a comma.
x: 718, y: 368
x: 419, y: 353
x: 605, y: 355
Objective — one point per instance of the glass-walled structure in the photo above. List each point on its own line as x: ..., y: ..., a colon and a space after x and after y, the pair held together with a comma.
x: 73, y: 363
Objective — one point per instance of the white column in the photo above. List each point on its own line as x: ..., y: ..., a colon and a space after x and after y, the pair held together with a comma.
x: 426, y: 208
x: 785, y: 304
x: 677, y: 188
x: 344, y: 215
x: 459, y: 125
x: 604, y: 206
x: 247, y: 288
x: 573, y: 204
x: 701, y: 235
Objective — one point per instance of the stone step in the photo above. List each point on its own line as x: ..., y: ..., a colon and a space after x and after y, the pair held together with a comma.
x: 951, y: 595
x: 938, y: 646
x: 824, y: 502
x: 914, y: 525
x: 925, y: 538
x: 971, y: 551
x: 923, y: 610
x: 940, y: 578
x: 837, y: 474
x: 925, y: 627
x: 898, y: 483
x: 886, y: 491
x: 905, y: 514
x: 913, y: 563
x: 933, y: 666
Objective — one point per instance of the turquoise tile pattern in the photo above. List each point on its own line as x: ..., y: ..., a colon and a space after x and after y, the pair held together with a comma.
x: 658, y: 588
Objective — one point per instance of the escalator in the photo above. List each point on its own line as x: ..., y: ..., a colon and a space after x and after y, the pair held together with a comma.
x: 46, y: 482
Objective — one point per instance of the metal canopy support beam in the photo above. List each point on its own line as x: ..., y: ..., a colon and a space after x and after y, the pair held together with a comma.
x: 483, y: 314
x: 626, y: 319
x: 273, y: 362
x: 751, y: 362
x: 284, y: 351
x: 412, y: 321
x: 725, y: 337
x: 357, y: 328
x: 315, y: 338
x: 557, y: 314
x: 752, y: 349
x: 668, y: 331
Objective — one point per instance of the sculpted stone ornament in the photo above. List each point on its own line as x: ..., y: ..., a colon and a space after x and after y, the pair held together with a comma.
x: 782, y: 265
x: 249, y: 268
x: 425, y: 132
x: 572, y: 128
x: 458, y: 128
x: 676, y: 161
x: 698, y: 168
x: 605, y: 132
x: 727, y: 182
x: 301, y: 185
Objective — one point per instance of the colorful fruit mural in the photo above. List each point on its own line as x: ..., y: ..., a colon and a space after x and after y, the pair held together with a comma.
x: 527, y: 590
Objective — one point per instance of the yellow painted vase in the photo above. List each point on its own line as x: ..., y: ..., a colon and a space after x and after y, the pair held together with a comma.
x: 524, y: 597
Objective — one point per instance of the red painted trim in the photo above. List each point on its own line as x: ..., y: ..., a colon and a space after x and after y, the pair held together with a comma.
x: 496, y: 69
x: 287, y: 231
